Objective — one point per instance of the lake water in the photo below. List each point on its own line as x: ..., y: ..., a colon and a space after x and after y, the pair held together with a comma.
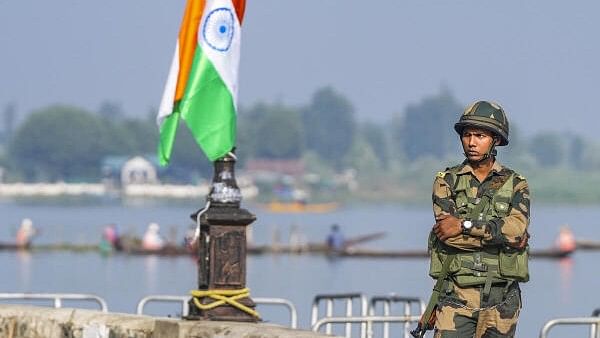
x: 565, y: 288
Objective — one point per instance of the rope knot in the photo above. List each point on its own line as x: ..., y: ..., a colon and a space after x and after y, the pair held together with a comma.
x: 221, y: 297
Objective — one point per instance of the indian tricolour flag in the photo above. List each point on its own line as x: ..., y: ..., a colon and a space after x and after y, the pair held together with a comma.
x: 202, y: 83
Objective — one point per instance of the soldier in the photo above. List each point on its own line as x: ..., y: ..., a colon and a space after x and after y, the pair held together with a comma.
x: 478, y: 244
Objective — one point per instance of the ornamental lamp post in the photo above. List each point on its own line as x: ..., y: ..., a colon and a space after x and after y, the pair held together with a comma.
x: 222, y: 292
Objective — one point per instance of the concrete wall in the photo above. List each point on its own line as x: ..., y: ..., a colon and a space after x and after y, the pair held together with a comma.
x: 20, y: 321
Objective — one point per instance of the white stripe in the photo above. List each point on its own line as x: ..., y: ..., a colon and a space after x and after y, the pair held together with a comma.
x: 226, y: 63
x: 166, y: 104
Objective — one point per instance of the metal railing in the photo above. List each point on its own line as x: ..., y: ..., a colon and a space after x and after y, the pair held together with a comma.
x: 329, y: 299
x: 364, y: 320
x: 594, y: 322
x: 185, y: 305
x: 56, y: 297
x: 280, y: 301
x: 388, y: 301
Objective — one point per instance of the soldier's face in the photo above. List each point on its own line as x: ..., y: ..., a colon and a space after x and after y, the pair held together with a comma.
x: 476, y: 143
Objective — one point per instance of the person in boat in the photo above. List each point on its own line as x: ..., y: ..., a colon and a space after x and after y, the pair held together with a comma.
x: 25, y: 233
x: 478, y: 244
x: 335, y: 238
x: 152, y: 239
x: 565, y: 242
x: 110, y: 238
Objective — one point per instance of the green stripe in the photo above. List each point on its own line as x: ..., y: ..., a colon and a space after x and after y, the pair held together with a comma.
x: 208, y: 109
x: 168, y: 129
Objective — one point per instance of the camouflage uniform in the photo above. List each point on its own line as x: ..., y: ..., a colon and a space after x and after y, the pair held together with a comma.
x: 465, y: 311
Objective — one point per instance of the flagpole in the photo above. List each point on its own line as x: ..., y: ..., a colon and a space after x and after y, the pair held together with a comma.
x: 222, y: 292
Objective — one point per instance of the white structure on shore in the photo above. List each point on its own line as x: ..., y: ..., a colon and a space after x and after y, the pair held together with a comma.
x: 138, y: 170
x: 249, y: 191
x: 138, y: 178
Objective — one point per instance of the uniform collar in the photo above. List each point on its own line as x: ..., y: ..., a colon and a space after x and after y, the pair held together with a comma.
x: 496, y: 168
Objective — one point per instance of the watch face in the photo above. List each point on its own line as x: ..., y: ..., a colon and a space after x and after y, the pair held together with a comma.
x: 467, y: 224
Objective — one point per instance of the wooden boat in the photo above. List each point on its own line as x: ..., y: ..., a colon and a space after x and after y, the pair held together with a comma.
x: 50, y: 247
x: 167, y: 250
x: 133, y: 247
x: 586, y: 244
x: 9, y: 246
x: 372, y: 253
x: 297, y: 207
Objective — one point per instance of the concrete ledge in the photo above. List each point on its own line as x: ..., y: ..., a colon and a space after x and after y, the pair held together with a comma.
x: 21, y: 321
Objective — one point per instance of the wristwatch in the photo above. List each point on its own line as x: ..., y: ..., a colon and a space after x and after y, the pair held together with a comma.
x: 466, y: 226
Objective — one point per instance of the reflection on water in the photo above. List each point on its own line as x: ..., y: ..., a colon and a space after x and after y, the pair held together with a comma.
x: 566, y: 275
x: 24, y: 259
x: 151, y: 272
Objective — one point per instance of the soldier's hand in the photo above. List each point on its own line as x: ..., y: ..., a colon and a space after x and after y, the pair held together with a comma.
x: 522, y: 244
x: 447, y: 226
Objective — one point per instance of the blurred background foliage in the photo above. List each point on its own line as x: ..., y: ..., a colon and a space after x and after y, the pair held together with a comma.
x: 393, y: 159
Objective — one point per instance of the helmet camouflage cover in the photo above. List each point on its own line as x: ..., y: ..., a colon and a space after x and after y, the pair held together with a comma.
x: 486, y: 115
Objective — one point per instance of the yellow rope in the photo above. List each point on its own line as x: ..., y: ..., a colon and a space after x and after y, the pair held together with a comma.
x: 224, y: 297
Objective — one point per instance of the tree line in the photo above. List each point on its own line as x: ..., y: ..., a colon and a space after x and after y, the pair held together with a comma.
x: 68, y: 143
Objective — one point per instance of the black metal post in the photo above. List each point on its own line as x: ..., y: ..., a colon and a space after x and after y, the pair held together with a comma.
x: 222, y: 245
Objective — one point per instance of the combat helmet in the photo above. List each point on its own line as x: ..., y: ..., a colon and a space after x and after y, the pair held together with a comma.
x: 486, y: 115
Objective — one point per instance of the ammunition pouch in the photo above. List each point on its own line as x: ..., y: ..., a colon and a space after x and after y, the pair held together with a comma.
x: 514, y: 264
x: 479, y: 267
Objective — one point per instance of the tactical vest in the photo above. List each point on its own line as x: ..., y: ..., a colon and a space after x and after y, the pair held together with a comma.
x: 487, y: 265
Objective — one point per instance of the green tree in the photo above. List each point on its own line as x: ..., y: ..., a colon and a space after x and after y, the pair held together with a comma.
x: 363, y: 157
x: 376, y: 136
x: 111, y: 110
x: 548, y: 149
x: 247, y: 134
x: 396, y: 131
x: 270, y: 131
x: 60, y: 142
x: 329, y: 124
x: 9, y: 116
x: 576, y: 149
x: 280, y: 133
x: 427, y: 128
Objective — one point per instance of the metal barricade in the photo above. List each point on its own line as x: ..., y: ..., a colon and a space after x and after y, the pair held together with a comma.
x: 594, y: 330
x: 594, y: 322
x: 280, y: 301
x: 185, y: 305
x: 56, y: 297
x: 364, y: 320
x: 329, y: 299
x: 185, y: 308
x: 387, y: 301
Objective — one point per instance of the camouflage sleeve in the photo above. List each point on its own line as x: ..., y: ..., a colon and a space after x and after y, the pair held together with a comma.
x: 511, y: 229
x: 443, y: 204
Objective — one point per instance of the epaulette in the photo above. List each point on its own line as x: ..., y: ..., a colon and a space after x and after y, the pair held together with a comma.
x: 517, y: 175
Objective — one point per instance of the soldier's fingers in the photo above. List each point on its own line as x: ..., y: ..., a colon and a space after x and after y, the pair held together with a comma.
x: 442, y: 217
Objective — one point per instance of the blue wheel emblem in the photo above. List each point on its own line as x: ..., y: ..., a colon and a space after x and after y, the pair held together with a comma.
x: 218, y: 28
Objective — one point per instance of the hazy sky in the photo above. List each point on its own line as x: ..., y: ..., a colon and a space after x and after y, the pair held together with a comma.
x: 540, y: 59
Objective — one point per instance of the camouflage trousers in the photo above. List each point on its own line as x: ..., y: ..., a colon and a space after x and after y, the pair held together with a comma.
x: 466, y: 313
